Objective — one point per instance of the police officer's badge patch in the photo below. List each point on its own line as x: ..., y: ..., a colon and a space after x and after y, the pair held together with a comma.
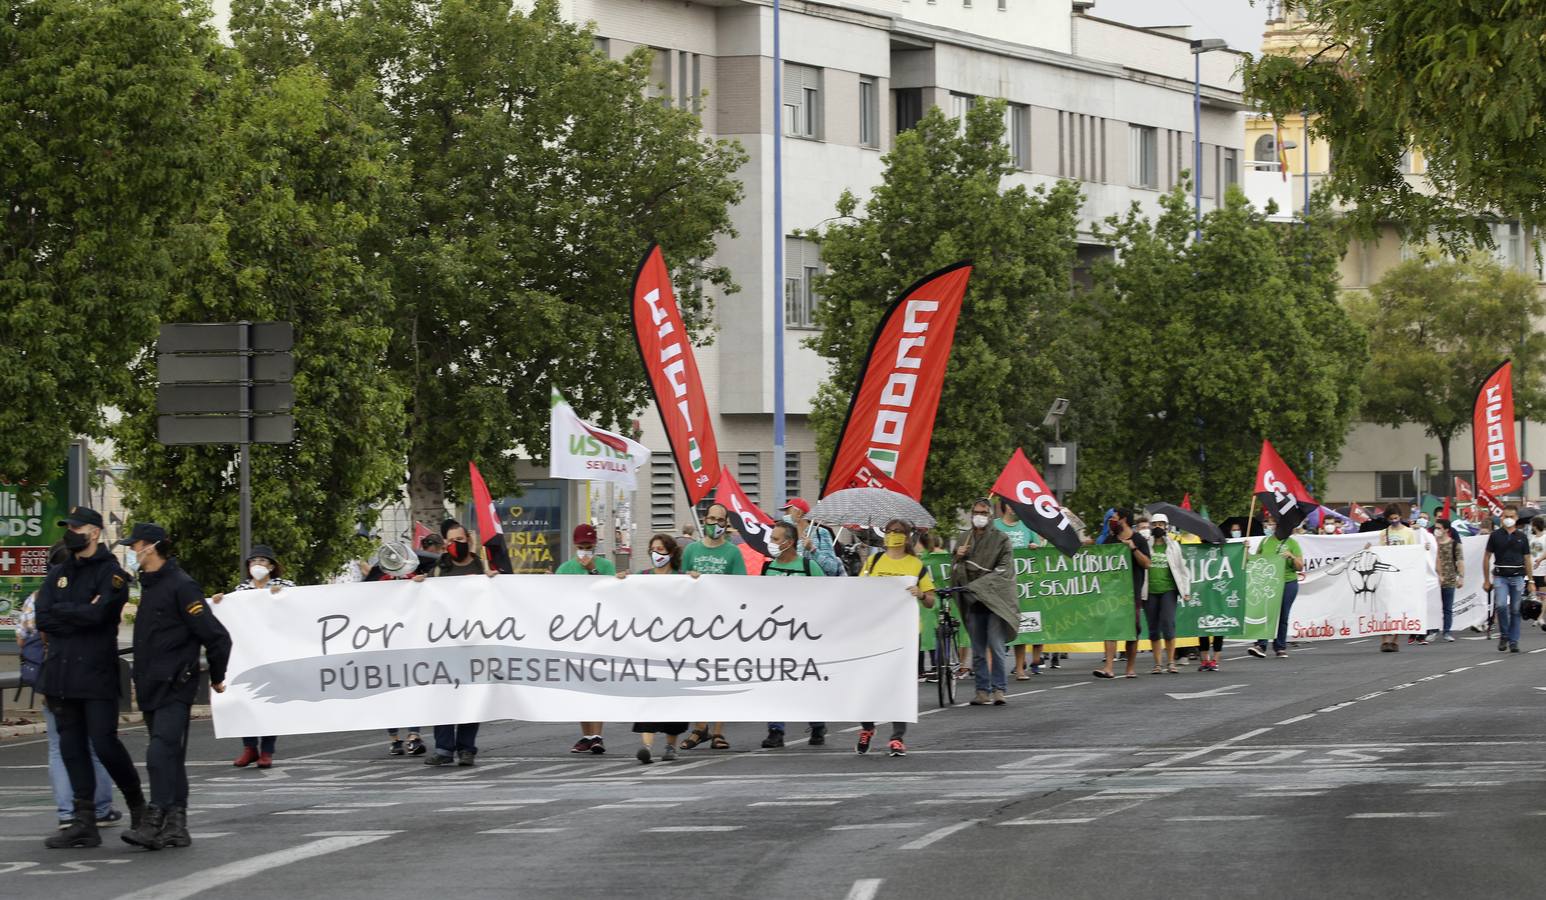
x: 195, y: 607
x: 117, y: 582
x: 62, y: 583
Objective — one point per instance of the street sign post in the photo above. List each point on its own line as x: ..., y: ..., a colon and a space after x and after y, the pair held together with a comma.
x: 227, y: 383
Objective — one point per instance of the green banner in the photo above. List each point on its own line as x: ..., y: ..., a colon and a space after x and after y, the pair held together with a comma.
x: 27, y: 531
x: 1218, y: 599
x: 1066, y: 599
x: 1263, y: 597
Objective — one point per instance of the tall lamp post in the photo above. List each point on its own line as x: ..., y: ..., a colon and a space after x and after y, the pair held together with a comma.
x: 1198, y: 49
x: 779, y: 465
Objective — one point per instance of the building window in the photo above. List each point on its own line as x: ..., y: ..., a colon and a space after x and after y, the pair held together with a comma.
x: 869, y: 111
x: 1003, y: 5
x: 1395, y: 485
x: 1017, y: 134
x: 802, y: 263
x: 689, y: 81
x: 1145, y: 157
x: 909, y: 108
x: 1229, y: 170
x: 802, y: 101
x: 960, y: 105
x: 1508, y: 246
x: 748, y: 471
x: 601, y: 45
x: 1267, y: 150
x: 966, y: 4
x: 659, y: 87
x: 792, y: 475
x: 662, y: 492
x: 1440, y: 487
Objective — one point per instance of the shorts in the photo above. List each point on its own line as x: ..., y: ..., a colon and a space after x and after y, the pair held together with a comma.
x: 1160, y: 612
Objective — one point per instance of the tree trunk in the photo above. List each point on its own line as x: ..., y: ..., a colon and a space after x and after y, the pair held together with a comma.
x: 1446, y: 477
x: 427, y: 495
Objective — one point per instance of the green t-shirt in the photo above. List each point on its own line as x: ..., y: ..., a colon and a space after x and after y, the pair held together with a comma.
x: 1020, y: 535
x: 1270, y: 546
x: 1160, y: 579
x: 725, y: 559
x: 798, y: 566
x: 572, y: 567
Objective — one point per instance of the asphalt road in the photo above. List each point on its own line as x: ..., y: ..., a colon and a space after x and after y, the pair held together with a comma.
x: 1339, y: 771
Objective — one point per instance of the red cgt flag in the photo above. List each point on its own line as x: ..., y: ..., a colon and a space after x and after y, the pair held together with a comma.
x: 1022, y: 488
x: 1186, y: 502
x: 420, y: 532
x: 754, y: 525
x: 1280, y: 490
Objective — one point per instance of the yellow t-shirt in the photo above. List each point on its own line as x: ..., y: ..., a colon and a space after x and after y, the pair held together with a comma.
x: 908, y: 566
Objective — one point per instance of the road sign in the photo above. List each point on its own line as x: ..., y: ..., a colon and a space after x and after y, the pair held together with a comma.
x: 224, y: 429
x: 224, y: 398
x: 176, y: 368
x: 1526, y: 469
x: 225, y: 337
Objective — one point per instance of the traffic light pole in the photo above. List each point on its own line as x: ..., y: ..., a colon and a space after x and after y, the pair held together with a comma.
x: 244, y: 464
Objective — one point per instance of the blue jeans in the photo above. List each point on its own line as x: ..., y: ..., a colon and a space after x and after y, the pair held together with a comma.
x: 779, y: 726
x: 59, y: 779
x: 1507, y: 592
x: 453, y: 739
x: 260, y: 744
x: 1290, y: 594
x: 1447, y: 598
x: 989, y: 635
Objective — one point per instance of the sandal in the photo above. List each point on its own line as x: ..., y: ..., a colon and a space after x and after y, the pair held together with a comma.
x: 719, y: 743
x: 1102, y: 673
x: 1158, y: 670
x: 694, y: 739
x: 1173, y: 670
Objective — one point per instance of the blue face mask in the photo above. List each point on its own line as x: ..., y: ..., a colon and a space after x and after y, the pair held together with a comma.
x: 787, y: 518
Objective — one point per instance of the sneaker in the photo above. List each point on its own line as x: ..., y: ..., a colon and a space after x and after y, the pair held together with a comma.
x: 582, y: 745
x: 436, y: 759
x: 643, y: 756
x: 774, y: 740
x: 1411, y: 639
x: 1422, y: 642
x: 1258, y: 652
x: 248, y: 757
x: 1282, y: 654
x: 1389, y: 648
x: 999, y: 699
x: 864, y: 741
x: 416, y: 747
x: 597, y: 746
x: 396, y: 749
x: 979, y: 699
x: 466, y: 758
x: 897, y: 748
x: 670, y: 754
x: 1502, y: 643
x: 1513, y: 647
x: 818, y: 736
x: 1055, y: 661
x: 1036, y: 669
x: 109, y: 819
x: 932, y: 677
x: 1449, y: 638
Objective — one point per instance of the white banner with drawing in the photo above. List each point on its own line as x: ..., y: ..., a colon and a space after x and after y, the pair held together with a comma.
x: 557, y: 648
x: 1365, y: 591
x: 1471, y: 602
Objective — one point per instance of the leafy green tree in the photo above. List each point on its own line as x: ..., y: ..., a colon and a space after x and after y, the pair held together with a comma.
x: 293, y: 229
x: 1211, y: 346
x: 941, y: 200
x: 1463, y: 82
x: 1437, y: 327
x: 103, y: 148
x: 540, y: 171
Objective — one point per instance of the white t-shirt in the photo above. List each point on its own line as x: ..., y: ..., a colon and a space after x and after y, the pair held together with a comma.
x: 1537, y: 550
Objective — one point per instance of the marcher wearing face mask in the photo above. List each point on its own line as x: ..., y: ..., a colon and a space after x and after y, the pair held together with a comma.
x: 263, y: 571
x: 1451, y: 572
x: 787, y: 562
x: 1504, y: 564
x: 456, y: 743
x: 665, y: 559
x: 1538, y: 556
x: 1396, y: 534
x: 78, y: 608
x: 1293, y: 563
x: 813, y: 542
x: 586, y: 562
x: 1430, y: 545
x: 896, y: 562
x: 712, y: 556
x: 992, y: 612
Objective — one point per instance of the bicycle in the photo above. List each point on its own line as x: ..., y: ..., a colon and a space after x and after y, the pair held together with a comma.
x: 945, y: 643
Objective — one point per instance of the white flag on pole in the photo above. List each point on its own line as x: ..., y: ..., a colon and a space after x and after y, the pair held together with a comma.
x: 584, y: 452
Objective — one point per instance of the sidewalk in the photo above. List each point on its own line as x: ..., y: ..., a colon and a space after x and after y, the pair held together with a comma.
x: 20, y: 722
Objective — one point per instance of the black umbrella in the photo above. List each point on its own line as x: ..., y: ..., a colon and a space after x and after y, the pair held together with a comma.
x: 1248, y: 529
x: 1188, y: 521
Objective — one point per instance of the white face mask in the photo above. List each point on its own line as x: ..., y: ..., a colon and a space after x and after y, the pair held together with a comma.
x: 1422, y: 523
x: 1508, y: 523
x: 1234, y: 532
x: 661, y: 560
x: 1330, y: 529
x: 1145, y: 532
x: 979, y: 521
x: 584, y: 555
x: 777, y: 549
x: 257, y: 572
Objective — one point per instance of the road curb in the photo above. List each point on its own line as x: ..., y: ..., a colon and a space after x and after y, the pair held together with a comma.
x: 31, y: 729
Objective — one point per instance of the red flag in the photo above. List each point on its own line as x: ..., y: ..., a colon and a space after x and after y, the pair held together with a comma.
x: 1280, y: 491
x: 483, y: 504
x: 869, y: 476
x: 891, y: 416
x: 420, y: 532
x: 1023, y: 489
x: 1492, y: 433
x: 1186, y: 502
x: 667, y: 354
x: 1357, y: 513
x: 1445, y: 514
x: 754, y: 525
x: 1486, y: 500
x: 1463, y: 491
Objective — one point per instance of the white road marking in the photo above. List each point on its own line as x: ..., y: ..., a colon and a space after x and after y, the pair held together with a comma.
x: 523, y: 831
x: 1206, y: 750
x: 1259, y: 795
x: 1351, y: 643
x: 1297, y: 719
x: 939, y: 834
x: 1461, y: 669
x: 795, y: 803
x: 659, y: 804
x: 509, y: 802
x: 683, y: 829
x: 1212, y: 818
x: 1047, y: 821
x: 1397, y: 815
x: 218, y: 876
x: 1542, y: 650
x: 211, y: 835
x: 290, y: 759
x: 1490, y: 662
x: 955, y: 800
x: 864, y: 889
x: 351, y: 833
x: 1075, y: 684
x: 313, y: 812
x: 867, y: 826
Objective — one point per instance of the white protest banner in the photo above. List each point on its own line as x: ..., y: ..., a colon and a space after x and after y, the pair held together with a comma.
x: 583, y: 452
x: 1470, y: 604
x: 1374, y: 591
x: 558, y: 648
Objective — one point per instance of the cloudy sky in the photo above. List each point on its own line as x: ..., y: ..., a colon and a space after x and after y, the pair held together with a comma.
x: 1236, y: 21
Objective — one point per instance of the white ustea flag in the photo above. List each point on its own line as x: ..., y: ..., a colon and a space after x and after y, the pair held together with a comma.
x: 583, y: 451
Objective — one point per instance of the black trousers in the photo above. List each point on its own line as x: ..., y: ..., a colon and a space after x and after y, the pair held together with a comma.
x: 167, y: 755
x: 87, y: 725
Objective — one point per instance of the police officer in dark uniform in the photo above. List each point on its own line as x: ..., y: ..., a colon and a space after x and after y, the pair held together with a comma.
x: 172, y: 623
x: 78, y: 609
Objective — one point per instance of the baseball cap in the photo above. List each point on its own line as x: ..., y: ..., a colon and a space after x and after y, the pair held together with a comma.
x: 82, y: 515
x: 585, y: 533
x: 800, y: 504
x: 1159, y: 519
x: 149, y: 532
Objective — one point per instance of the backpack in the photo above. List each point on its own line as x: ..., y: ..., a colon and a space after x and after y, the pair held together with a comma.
x: 32, y: 659
x: 869, y: 569
x: 1530, y: 609
x: 804, y: 563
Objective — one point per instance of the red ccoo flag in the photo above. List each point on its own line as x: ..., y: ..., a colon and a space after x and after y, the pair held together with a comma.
x: 1022, y: 488
x: 1280, y: 491
x: 1463, y: 491
x: 1492, y: 433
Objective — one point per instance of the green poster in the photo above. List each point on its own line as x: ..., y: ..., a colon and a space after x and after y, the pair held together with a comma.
x: 1068, y: 599
x: 1263, y: 597
x: 27, y: 531
x: 1217, y: 602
